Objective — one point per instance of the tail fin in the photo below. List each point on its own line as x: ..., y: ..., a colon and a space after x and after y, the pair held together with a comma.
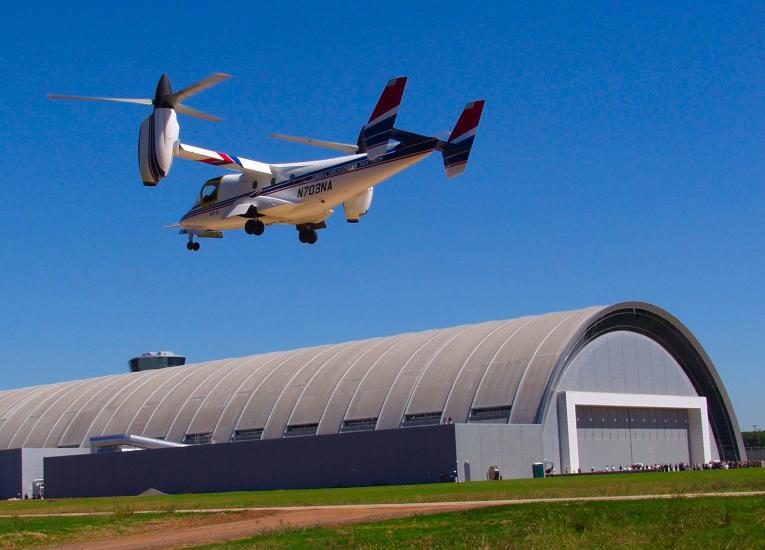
x: 377, y: 132
x: 457, y: 150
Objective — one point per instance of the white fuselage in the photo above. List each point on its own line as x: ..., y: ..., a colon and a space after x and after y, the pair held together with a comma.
x: 296, y: 193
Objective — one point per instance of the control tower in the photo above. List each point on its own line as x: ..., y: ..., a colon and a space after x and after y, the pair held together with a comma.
x: 156, y: 360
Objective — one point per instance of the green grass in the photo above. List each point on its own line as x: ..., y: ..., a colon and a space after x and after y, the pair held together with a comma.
x: 596, y: 485
x: 737, y: 522
x: 18, y: 532
x: 674, y: 522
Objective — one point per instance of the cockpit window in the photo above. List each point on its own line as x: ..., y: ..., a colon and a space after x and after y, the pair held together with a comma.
x: 209, y: 191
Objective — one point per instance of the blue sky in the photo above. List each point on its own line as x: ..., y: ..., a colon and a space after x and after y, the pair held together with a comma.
x: 620, y: 157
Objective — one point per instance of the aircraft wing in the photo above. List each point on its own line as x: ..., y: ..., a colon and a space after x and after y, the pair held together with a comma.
x: 224, y: 160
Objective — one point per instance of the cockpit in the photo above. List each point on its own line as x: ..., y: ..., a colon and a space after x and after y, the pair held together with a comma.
x: 209, y: 192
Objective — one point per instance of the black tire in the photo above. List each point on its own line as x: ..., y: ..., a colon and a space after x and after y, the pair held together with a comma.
x: 258, y: 227
x: 312, y: 237
x: 189, y: 246
x: 303, y: 236
x: 196, y: 247
x: 249, y: 227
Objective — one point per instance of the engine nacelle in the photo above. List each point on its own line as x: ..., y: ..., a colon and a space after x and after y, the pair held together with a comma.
x: 159, y: 133
x: 359, y: 205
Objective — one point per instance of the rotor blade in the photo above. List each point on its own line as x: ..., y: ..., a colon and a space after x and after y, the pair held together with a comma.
x: 181, y: 108
x: 344, y: 147
x: 208, y: 82
x: 114, y: 99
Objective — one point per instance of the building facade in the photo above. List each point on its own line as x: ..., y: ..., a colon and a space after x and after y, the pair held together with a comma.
x: 577, y: 390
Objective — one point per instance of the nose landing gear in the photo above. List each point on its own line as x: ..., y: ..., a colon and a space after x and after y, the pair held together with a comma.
x: 191, y: 245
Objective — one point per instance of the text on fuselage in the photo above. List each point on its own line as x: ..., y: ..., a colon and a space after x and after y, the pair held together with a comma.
x: 314, y: 188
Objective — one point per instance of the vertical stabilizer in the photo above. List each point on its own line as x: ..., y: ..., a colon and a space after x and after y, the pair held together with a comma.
x: 377, y: 132
x: 457, y: 150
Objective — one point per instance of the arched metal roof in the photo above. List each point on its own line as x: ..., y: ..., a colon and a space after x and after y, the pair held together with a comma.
x: 493, y: 368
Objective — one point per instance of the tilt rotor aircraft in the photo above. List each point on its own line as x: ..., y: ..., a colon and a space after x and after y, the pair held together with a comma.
x: 302, y: 194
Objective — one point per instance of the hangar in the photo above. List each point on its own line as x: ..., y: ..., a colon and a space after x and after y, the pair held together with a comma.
x: 577, y: 390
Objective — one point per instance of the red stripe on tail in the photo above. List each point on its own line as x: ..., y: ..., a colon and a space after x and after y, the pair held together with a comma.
x: 390, y: 98
x: 468, y: 120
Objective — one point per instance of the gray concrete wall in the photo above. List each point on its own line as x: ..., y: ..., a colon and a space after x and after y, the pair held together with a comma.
x: 618, y: 362
x: 621, y: 436
x: 626, y: 362
x: 510, y: 447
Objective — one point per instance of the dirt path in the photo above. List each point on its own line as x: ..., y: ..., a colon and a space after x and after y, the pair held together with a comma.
x: 245, y: 522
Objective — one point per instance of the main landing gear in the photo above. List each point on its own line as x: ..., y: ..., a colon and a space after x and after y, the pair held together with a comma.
x: 308, y: 236
x: 307, y: 232
x: 191, y: 245
x: 254, y: 227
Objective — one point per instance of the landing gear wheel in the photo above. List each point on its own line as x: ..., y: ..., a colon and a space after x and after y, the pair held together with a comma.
x: 254, y: 227
x: 189, y: 246
x: 307, y: 236
x: 195, y: 246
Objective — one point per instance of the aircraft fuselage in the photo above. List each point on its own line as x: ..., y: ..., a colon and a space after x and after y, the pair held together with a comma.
x: 302, y: 193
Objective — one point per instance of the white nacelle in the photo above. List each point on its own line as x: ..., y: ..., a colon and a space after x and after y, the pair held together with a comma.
x: 359, y: 205
x: 159, y: 134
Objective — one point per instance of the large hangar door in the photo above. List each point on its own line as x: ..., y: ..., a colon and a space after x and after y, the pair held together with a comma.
x: 622, y: 436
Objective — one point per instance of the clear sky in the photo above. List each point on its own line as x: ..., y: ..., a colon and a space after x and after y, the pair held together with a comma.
x: 621, y: 156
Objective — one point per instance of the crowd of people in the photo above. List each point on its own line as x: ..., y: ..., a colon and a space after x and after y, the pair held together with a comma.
x: 674, y: 467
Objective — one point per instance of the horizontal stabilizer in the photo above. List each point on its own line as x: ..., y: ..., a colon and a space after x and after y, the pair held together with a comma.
x: 377, y: 132
x: 457, y: 150
x: 344, y: 147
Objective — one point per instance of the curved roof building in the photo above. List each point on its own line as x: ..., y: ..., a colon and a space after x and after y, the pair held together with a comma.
x: 499, y: 372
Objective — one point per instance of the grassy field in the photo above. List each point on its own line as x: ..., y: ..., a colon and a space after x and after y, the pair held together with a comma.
x: 540, y: 525
x: 597, y: 485
x: 674, y: 523
x: 30, y: 532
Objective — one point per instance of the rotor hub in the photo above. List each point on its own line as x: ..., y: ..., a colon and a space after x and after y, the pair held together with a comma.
x: 162, y: 97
